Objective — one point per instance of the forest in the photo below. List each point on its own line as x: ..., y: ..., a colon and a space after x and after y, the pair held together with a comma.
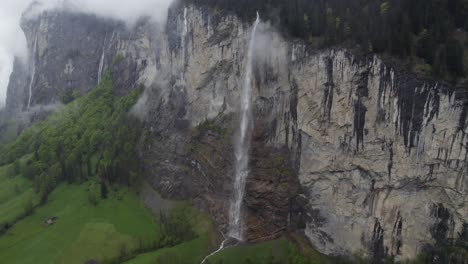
x: 428, y: 35
x: 92, y: 135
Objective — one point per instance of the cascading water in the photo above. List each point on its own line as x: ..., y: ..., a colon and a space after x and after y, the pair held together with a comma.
x: 103, y: 56
x: 183, y: 43
x: 101, y: 66
x: 241, y: 151
x: 33, y: 70
x: 242, y: 146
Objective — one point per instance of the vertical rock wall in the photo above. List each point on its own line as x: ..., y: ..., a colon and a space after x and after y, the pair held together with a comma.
x: 366, y: 158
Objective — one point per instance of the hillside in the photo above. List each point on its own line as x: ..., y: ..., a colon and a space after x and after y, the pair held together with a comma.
x: 310, y: 132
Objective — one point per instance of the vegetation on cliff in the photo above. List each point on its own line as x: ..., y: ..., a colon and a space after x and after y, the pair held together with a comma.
x: 68, y: 189
x: 431, y: 33
x: 92, y: 137
x: 111, y: 229
x: 69, y: 194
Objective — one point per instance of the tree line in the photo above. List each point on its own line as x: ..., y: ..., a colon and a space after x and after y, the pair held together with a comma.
x: 93, y: 137
x: 431, y: 31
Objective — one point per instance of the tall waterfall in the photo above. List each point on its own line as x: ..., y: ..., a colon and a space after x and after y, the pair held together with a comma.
x: 101, y: 66
x: 242, y: 146
x: 33, y: 70
x: 103, y: 56
x: 183, y: 43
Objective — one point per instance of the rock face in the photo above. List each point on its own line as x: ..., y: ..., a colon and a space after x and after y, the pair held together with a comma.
x: 69, y: 50
x: 362, y: 156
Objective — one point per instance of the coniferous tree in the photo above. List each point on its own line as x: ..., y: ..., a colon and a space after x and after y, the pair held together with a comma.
x: 406, y: 29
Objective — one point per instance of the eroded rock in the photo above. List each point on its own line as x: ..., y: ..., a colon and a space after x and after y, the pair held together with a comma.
x: 356, y: 152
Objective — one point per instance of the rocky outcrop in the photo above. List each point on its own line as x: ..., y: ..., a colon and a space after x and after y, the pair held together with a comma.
x: 71, y: 52
x: 359, y: 154
x: 16, y: 92
x: 393, y: 148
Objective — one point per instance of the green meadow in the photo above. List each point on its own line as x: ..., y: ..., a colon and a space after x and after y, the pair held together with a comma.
x: 69, y: 193
x: 83, y: 231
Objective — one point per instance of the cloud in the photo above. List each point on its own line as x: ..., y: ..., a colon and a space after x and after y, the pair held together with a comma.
x: 6, y: 65
x: 13, y: 42
x: 127, y: 10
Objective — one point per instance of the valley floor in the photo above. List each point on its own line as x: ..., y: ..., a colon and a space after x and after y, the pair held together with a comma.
x: 119, y: 229
x: 82, y: 231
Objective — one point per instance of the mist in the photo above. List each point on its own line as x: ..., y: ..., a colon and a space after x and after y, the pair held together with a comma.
x: 12, y: 39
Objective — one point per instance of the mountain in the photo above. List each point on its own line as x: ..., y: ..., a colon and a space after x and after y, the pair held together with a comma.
x: 348, y: 148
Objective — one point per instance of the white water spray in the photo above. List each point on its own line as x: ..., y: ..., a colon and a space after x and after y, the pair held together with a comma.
x: 242, y: 147
x: 103, y: 56
x: 33, y: 70
x: 241, y: 152
x: 185, y: 31
x: 183, y: 43
x: 101, y: 66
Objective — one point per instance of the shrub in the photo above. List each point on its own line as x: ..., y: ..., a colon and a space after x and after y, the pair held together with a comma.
x: 28, y: 207
x: 93, y: 197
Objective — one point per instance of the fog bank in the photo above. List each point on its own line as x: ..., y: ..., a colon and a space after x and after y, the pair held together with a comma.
x: 12, y: 39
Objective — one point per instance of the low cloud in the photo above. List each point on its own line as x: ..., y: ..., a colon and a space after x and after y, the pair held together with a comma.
x: 13, y: 42
x: 271, y: 57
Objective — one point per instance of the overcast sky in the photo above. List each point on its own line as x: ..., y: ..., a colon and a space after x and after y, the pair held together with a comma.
x: 12, y: 40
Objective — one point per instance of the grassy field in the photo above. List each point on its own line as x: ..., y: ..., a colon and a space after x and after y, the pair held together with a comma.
x: 15, y: 193
x: 193, y: 251
x: 281, y: 251
x: 189, y: 252
x: 116, y: 228
x: 113, y: 228
x: 275, y: 251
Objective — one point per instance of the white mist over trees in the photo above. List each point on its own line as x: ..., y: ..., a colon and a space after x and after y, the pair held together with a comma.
x: 13, y: 42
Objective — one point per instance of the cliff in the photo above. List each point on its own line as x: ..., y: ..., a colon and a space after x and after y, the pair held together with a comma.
x: 364, y: 157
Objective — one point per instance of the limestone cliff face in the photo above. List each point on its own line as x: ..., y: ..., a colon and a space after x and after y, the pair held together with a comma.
x: 64, y: 49
x: 362, y: 156
x: 382, y: 152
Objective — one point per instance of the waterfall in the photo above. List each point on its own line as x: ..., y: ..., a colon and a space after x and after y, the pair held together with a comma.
x: 184, y: 35
x: 293, y: 53
x: 185, y: 26
x: 33, y: 70
x: 183, y: 43
x: 242, y: 146
x: 101, y: 66
x: 103, y: 56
